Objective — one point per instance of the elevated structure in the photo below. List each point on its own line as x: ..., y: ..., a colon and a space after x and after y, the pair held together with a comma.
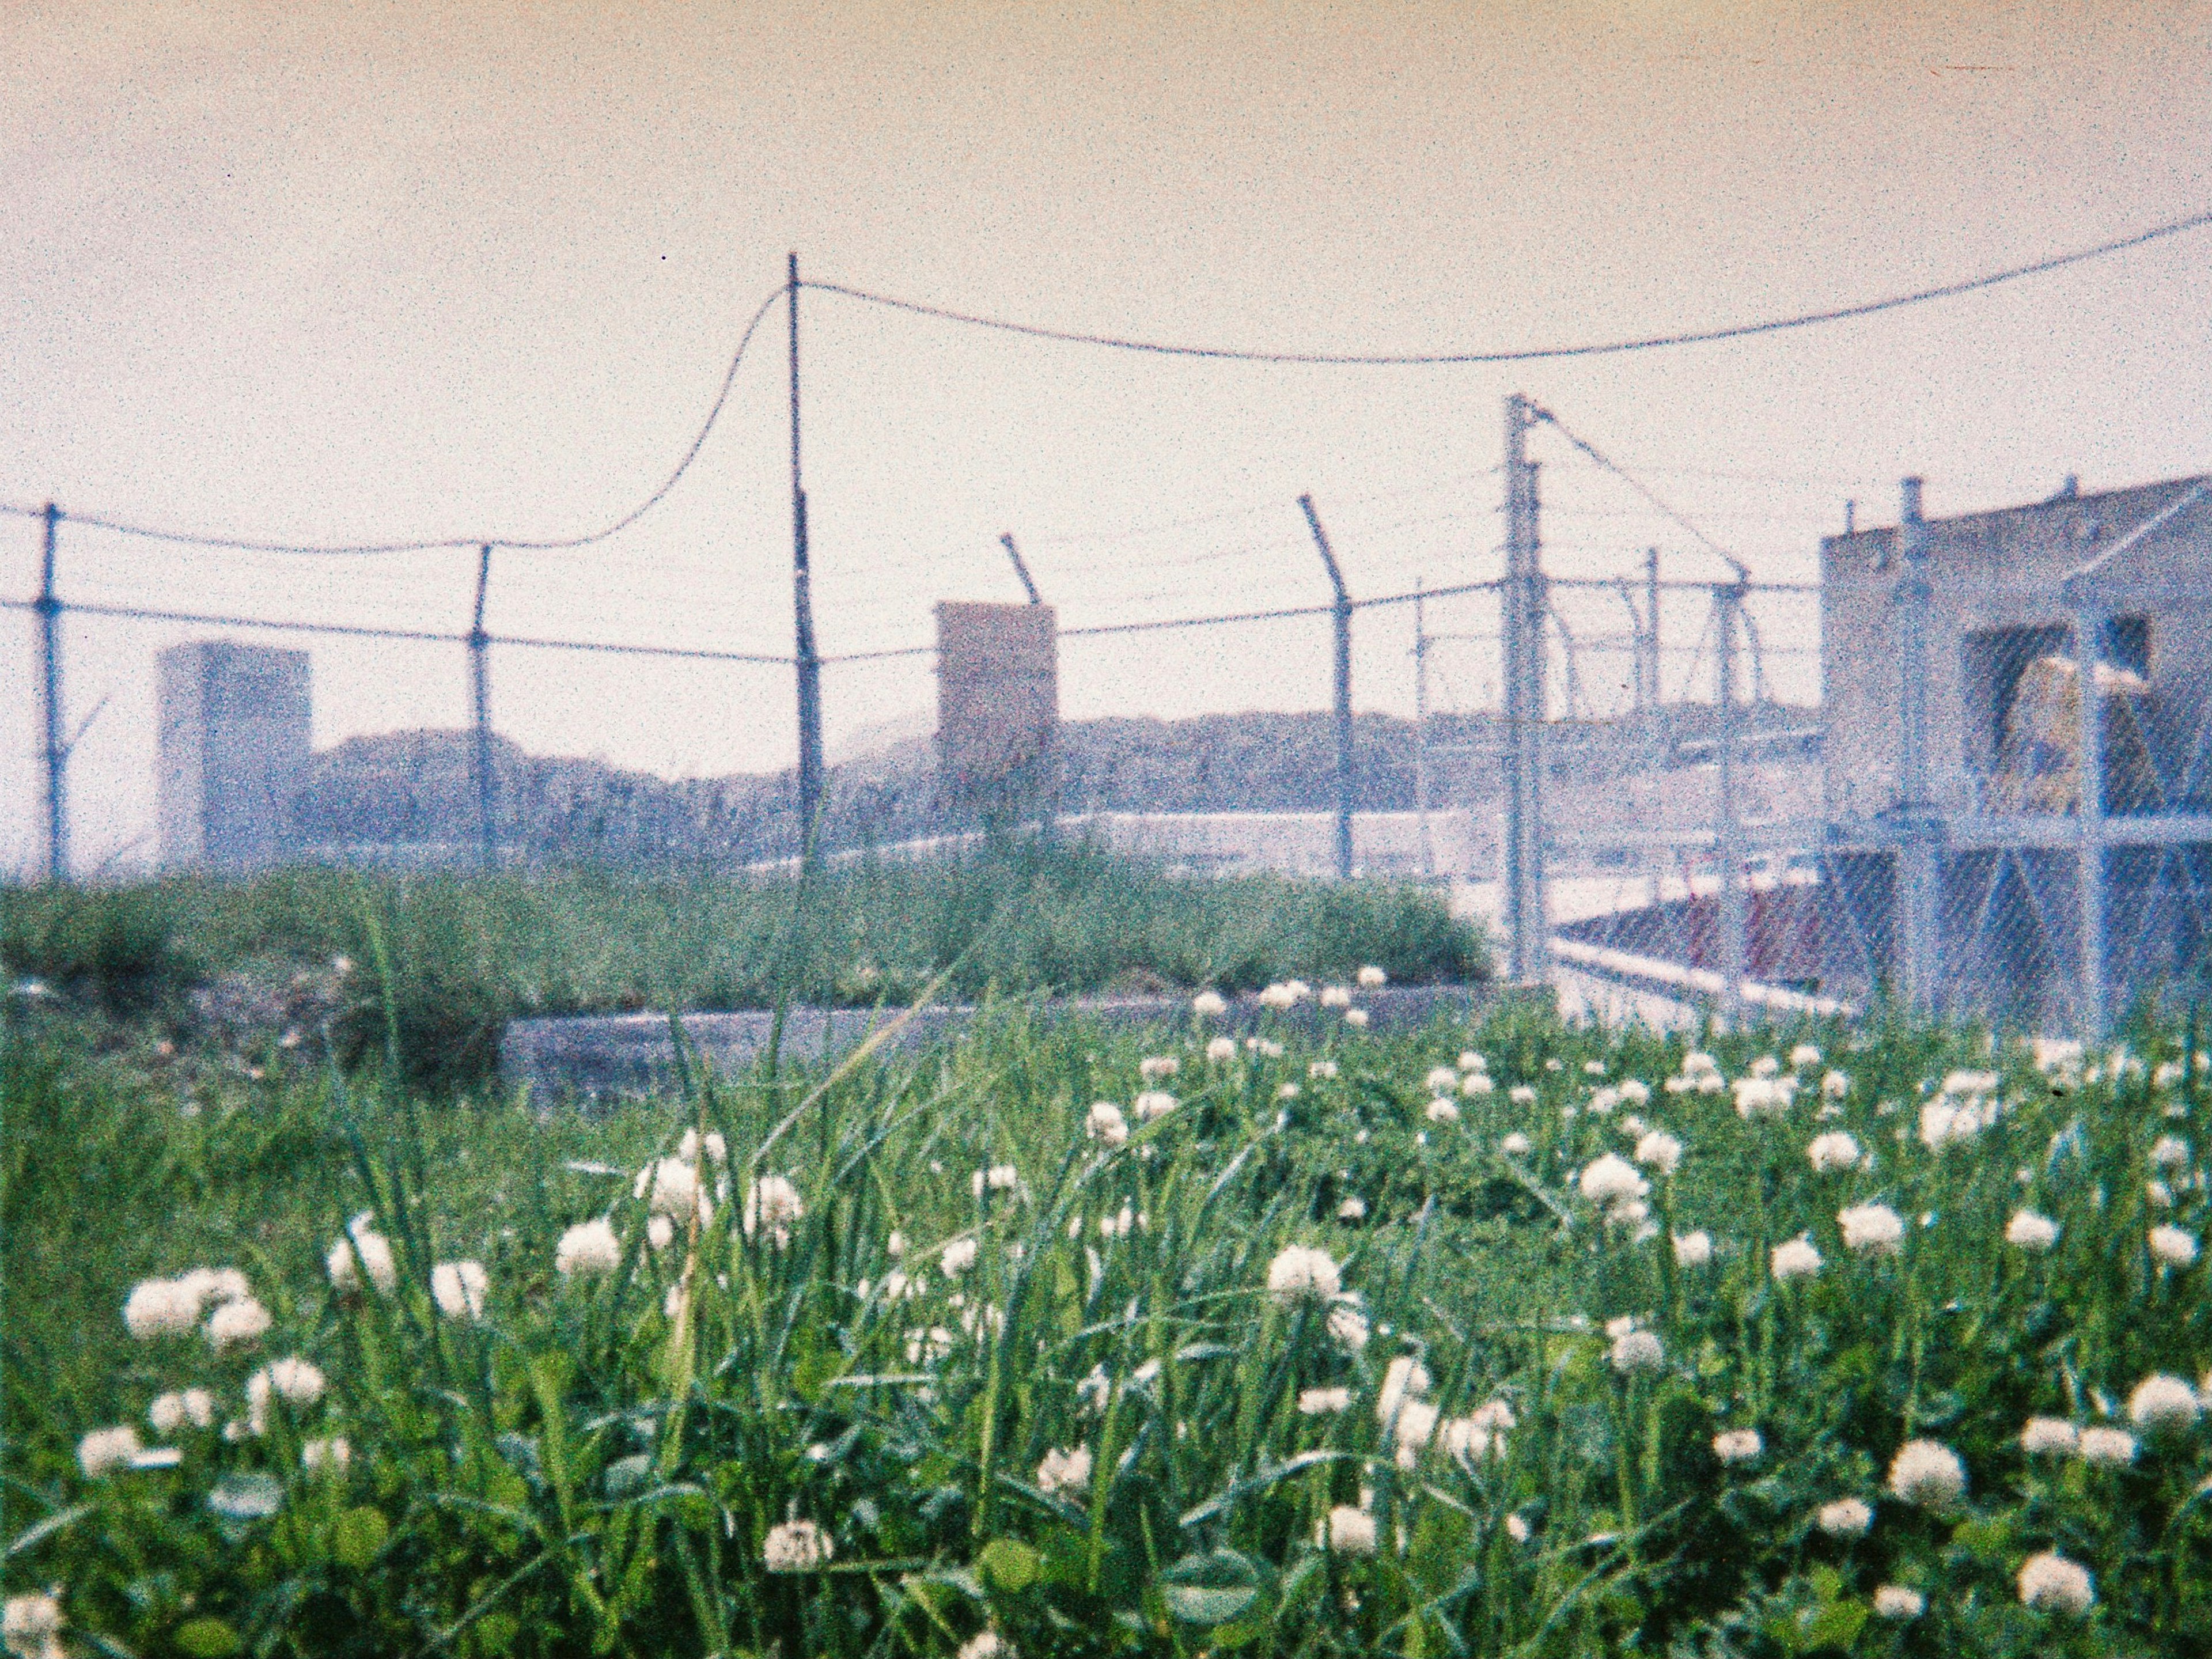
x: 997, y: 708
x: 234, y: 745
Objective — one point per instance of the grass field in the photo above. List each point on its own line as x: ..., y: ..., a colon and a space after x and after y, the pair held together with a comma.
x: 453, y: 957
x: 1362, y: 1347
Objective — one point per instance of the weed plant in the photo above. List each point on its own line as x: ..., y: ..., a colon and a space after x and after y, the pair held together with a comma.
x: 1499, y: 1339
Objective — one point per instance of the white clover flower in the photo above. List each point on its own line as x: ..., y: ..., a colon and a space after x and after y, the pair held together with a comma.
x: 1403, y: 1379
x: 294, y: 1380
x: 1322, y: 1402
x: 1831, y: 1152
x: 2027, y: 1231
x: 1470, y: 1061
x: 172, y: 1412
x: 1763, y: 1096
x: 999, y: 1178
x: 2171, y: 1152
x: 1352, y: 1209
x: 986, y: 1644
x: 1300, y: 1271
x: 365, y: 1251
x: 1277, y: 996
x: 1152, y: 1068
x: 717, y: 1148
x: 237, y: 1325
x: 1221, y: 1047
x: 1659, y: 1151
x: 1475, y: 1085
x: 895, y: 1246
x: 1516, y: 1529
x: 1371, y: 978
x: 2173, y: 1247
x: 1208, y: 1003
x: 1738, y: 1445
x: 1637, y: 1353
x: 1971, y: 1085
x: 1612, y: 1178
x: 2163, y: 1402
x: 1355, y: 1018
x: 1522, y: 1094
x: 1796, y: 1258
x: 1515, y: 1144
x: 1927, y: 1472
x: 1847, y: 1518
x: 1151, y: 1104
x: 660, y: 1232
x: 31, y: 1625
x: 1697, y: 1063
x: 1106, y: 1125
x: 957, y: 1257
x: 1441, y: 1079
x: 332, y: 1454
x: 2050, y: 1436
x: 105, y: 1450
x: 1443, y: 1110
x: 796, y: 1546
x: 670, y: 1186
x: 458, y: 1288
x: 1321, y: 1070
x: 1064, y: 1470
x: 1347, y: 1531
x: 2050, y: 1582
x: 1336, y: 996
x: 589, y: 1247
x: 1804, y: 1057
x: 1347, y: 1324
x: 1693, y: 1249
x: 1834, y: 1086
x: 1602, y: 1101
x: 1593, y: 1068
x: 1634, y: 1092
x: 161, y: 1307
x: 211, y: 1287
x: 1871, y: 1229
x: 1412, y: 1428
x: 1898, y: 1602
x: 927, y: 1348
x: 773, y: 1206
x: 1468, y: 1438
x: 1286, y: 1091
x: 2106, y: 1448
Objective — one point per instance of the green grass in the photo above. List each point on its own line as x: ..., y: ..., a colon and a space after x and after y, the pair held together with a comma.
x: 466, y: 954
x: 585, y: 1471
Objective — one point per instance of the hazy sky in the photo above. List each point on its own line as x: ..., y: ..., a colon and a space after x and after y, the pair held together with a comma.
x: 325, y: 271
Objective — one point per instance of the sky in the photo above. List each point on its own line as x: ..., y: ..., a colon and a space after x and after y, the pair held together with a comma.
x: 318, y: 271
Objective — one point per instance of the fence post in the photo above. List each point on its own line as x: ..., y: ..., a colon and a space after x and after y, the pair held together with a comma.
x: 1523, y: 607
x: 1342, y: 616
x: 1919, y: 860
x: 1735, y: 955
x: 49, y: 609
x: 2089, y: 818
x: 480, y: 700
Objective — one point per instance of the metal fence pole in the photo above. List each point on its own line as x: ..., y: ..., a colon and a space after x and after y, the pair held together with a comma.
x: 1920, y: 857
x: 1524, y: 606
x: 1341, y: 617
x: 2089, y: 819
x: 480, y: 700
x: 1734, y: 956
x: 49, y: 609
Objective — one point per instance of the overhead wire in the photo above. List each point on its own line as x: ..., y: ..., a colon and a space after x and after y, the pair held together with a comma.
x: 1537, y: 354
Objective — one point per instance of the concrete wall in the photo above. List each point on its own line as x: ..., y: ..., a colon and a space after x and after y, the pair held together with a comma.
x: 234, y: 744
x: 1992, y: 571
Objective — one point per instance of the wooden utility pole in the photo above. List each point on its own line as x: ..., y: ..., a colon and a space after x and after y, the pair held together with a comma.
x: 480, y: 711
x: 809, y: 660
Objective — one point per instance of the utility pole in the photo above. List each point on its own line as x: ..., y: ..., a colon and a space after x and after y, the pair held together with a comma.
x: 49, y: 608
x: 802, y: 604
x: 1022, y: 571
x: 1648, y: 685
x: 1342, y: 614
x: 480, y: 704
x: 1728, y: 828
x: 1524, y: 605
x: 1421, y: 724
x: 1919, y: 857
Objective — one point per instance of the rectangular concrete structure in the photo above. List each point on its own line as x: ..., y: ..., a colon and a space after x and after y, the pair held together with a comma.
x: 998, y: 707
x: 235, y: 744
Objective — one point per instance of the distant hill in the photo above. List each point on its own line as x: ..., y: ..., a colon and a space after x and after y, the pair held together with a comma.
x: 410, y: 796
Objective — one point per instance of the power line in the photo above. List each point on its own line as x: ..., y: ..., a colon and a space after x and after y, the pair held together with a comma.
x: 244, y: 545
x: 1644, y: 490
x: 1611, y: 347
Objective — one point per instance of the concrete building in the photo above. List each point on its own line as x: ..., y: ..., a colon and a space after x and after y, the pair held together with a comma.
x: 998, y: 708
x: 2044, y: 903
x: 234, y: 746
